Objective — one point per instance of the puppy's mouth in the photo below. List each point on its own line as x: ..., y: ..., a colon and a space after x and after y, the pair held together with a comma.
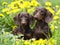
x: 38, y: 17
x: 23, y: 23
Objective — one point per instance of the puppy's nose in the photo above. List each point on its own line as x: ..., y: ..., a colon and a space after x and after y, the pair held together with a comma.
x: 35, y: 16
x: 23, y: 23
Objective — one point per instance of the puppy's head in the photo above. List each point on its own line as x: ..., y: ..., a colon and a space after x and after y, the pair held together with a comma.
x: 42, y: 13
x: 23, y: 18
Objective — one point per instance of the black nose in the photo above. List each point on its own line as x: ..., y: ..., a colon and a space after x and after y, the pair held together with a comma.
x: 35, y: 17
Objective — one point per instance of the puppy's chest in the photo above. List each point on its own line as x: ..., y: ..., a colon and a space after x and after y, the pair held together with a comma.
x: 41, y: 27
x: 37, y: 29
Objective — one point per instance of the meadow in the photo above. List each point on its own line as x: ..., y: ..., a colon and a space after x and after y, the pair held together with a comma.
x: 10, y: 8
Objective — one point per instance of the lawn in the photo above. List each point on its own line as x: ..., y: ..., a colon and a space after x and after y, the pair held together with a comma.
x: 10, y: 8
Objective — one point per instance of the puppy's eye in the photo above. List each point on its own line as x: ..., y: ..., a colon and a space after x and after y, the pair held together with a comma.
x: 42, y: 11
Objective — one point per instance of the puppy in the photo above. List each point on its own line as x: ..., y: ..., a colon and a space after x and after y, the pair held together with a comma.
x: 23, y: 20
x: 43, y: 17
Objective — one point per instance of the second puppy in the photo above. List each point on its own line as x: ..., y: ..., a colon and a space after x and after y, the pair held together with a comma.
x: 43, y: 17
x: 23, y: 20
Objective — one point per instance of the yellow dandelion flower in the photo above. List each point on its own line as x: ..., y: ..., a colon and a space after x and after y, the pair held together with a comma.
x: 31, y: 10
x: 1, y: 15
x: 15, y: 10
x: 33, y: 0
x: 21, y: 6
x: 59, y: 22
x: 51, y: 10
x: 17, y: 4
x: 13, y: 27
x: 6, y: 32
x: 55, y: 17
x: 57, y: 6
x: 52, y: 42
x: 5, y: 9
x: 14, y: 0
x: 21, y: 1
x: 26, y: 4
x: 35, y: 3
x: 13, y: 5
x: 27, y: 42
x: 48, y: 4
x: 9, y: 12
x: 17, y: 42
x: 52, y: 27
x: 35, y: 42
x: 44, y: 41
x: 58, y: 12
x: 12, y: 11
x: 4, y: 3
x: 41, y: 40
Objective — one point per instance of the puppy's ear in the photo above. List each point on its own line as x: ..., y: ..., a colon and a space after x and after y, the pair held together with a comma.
x: 31, y: 19
x: 48, y: 17
x: 35, y: 12
x: 16, y: 19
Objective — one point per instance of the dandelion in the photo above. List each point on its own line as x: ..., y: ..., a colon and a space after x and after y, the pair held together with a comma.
x: 52, y: 27
x: 7, y: 33
x: 44, y: 41
x: 4, y: 3
x: 1, y: 15
x: 12, y: 6
x: 57, y: 6
x: 5, y: 9
x: 31, y: 10
x: 9, y: 12
x: 15, y: 10
x: 58, y: 12
x: 14, y: 0
x: 59, y: 22
x: 51, y: 10
x: 34, y: 3
x: 35, y: 42
x: 17, y: 42
x: 27, y: 42
x: 52, y: 41
x: 55, y: 17
x: 21, y: 1
x: 48, y: 4
x: 26, y: 4
x: 13, y: 27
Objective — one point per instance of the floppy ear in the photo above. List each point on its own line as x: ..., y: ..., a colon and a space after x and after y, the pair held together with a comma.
x: 31, y: 19
x: 48, y: 17
x: 34, y: 12
x: 16, y: 19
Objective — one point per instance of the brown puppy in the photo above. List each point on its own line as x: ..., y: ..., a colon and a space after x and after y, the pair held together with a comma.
x: 23, y: 20
x: 43, y: 17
